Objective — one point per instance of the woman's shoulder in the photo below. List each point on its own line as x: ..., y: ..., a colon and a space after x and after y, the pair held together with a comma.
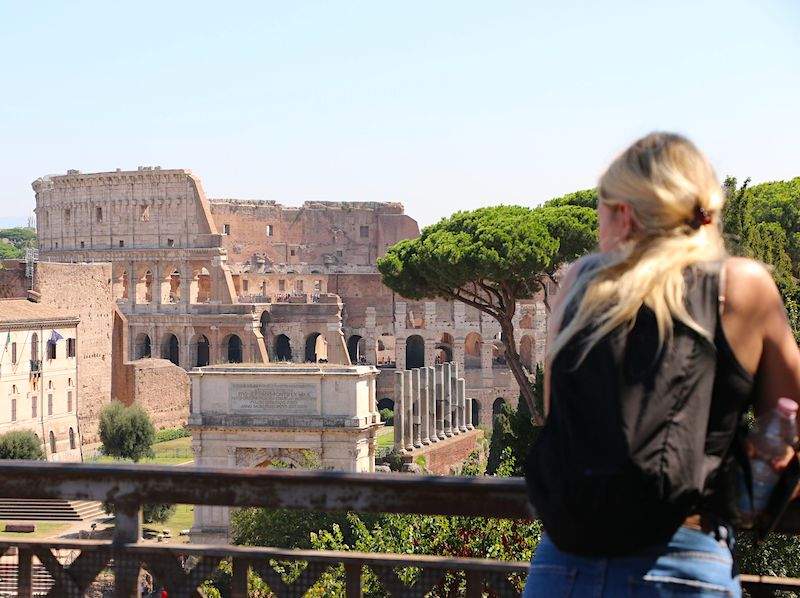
x: 748, y: 285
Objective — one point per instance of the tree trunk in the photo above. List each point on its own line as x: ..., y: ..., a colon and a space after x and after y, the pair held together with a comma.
x: 515, y: 365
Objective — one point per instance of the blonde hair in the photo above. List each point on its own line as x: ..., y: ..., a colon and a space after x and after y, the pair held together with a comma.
x: 676, y: 203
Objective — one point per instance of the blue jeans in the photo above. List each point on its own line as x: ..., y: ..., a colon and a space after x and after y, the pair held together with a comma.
x: 692, y: 563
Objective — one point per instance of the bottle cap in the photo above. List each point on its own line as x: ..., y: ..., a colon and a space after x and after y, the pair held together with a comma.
x: 787, y: 407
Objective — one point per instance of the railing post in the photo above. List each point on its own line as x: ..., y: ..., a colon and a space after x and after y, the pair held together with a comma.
x: 239, y: 581
x: 399, y: 412
x: 352, y: 576
x: 416, y: 402
x: 408, y: 411
x: 433, y: 436
x: 24, y: 573
x: 447, y: 386
x: 127, y: 530
x: 474, y: 584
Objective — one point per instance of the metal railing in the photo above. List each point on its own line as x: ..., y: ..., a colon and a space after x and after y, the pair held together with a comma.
x: 183, y: 568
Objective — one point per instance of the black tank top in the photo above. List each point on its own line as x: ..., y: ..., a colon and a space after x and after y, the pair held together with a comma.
x: 638, y: 437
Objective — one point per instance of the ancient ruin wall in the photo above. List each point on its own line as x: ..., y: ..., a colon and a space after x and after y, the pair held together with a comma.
x: 332, y: 234
x: 146, y: 208
x: 85, y: 290
x: 160, y: 388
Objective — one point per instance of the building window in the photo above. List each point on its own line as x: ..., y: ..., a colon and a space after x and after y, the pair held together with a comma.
x: 72, y: 439
x: 298, y: 286
x: 13, y: 409
x: 34, y: 410
x: 339, y: 253
x: 50, y: 404
x: 121, y: 243
x: 364, y: 232
x: 269, y: 230
x: 82, y: 244
x: 34, y: 347
x: 66, y: 216
x: 69, y: 401
x: 318, y: 286
x: 292, y: 252
x: 281, y: 285
x: 170, y: 242
x: 144, y: 213
x: 56, y: 244
x: 98, y: 214
x: 226, y: 229
x: 245, y: 285
x: 70, y: 347
x: 52, y: 442
x: 51, y: 350
x: 14, y: 353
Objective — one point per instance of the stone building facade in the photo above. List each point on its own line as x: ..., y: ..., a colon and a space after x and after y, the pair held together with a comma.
x: 204, y: 281
x: 39, y: 375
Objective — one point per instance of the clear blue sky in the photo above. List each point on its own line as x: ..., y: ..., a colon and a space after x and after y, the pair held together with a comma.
x: 442, y: 105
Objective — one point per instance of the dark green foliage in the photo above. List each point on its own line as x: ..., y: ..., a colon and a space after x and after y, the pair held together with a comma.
x: 19, y: 239
x: 586, y: 198
x: 172, y: 434
x: 20, y: 444
x: 490, y: 258
x: 387, y: 416
x: 126, y: 432
x: 157, y: 512
x: 513, y: 430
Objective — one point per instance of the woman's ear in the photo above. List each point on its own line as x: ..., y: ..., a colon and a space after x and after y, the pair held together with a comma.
x: 627, y: 222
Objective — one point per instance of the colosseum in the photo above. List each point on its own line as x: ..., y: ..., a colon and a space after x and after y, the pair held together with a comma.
x: 205, y: 281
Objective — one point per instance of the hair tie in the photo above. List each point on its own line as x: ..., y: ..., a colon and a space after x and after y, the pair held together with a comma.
x: 700, y: 218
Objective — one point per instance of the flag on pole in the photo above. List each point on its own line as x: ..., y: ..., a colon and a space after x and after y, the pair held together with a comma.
x: 8, y: 339
x: 55, y: 337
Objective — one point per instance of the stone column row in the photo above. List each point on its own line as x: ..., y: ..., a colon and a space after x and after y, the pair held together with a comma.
x: 430, y: 406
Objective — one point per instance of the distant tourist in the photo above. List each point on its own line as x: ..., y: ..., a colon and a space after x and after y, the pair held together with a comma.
x: 655, y: 345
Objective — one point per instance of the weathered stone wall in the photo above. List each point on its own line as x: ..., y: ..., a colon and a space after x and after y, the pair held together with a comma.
x: 322, y: 233
x: 160, y: 388
x: 84, y: 290
x: 447, y: 456
x: 13, y: 282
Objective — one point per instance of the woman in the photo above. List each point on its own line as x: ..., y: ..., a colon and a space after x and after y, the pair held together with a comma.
x: 655, y: 347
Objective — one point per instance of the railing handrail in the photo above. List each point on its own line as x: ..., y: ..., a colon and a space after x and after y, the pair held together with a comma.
x: 317, y: 490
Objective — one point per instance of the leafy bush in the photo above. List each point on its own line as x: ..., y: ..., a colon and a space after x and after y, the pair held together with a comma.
x: 126, y: 432
x: 21, y: 444
x: 387, y: 416
x: 172, y: 434
x: 157, y: 512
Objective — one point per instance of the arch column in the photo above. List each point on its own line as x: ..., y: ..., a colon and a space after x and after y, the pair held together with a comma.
x: 400, y: 353
x: 155, y: 286
x: 458, y: 352
x: 430, y: 351
x: 131, y: 268
x: 487, y: 349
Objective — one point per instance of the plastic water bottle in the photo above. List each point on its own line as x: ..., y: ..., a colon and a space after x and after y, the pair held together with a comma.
x: 774, y: 431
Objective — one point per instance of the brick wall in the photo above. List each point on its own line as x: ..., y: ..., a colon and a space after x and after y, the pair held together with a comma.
x: 13, y: 283
x: 84, y: 290
x: 160, y: 388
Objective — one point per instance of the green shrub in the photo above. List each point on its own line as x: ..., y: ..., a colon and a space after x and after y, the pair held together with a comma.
x: 21, y: 444
x: 126, y: 432
x: 172, y: 434
x: 387, y: 416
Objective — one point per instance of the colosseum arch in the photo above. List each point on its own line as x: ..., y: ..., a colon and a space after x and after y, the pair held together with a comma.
x: 170, y: 348
x: 283, y: 348
x: 472, y: 350
x: 415, y: 351
x: 444, y: 348
x: 356, y: 348
x: 202, y: 351
x: 233, y: 348
x: 141, y: 346
x: 316, y: 348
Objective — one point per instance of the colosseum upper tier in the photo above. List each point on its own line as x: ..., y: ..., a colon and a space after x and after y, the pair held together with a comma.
x: 205, y: 281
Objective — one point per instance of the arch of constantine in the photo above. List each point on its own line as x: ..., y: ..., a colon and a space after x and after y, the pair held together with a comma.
x: 213, y: 281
